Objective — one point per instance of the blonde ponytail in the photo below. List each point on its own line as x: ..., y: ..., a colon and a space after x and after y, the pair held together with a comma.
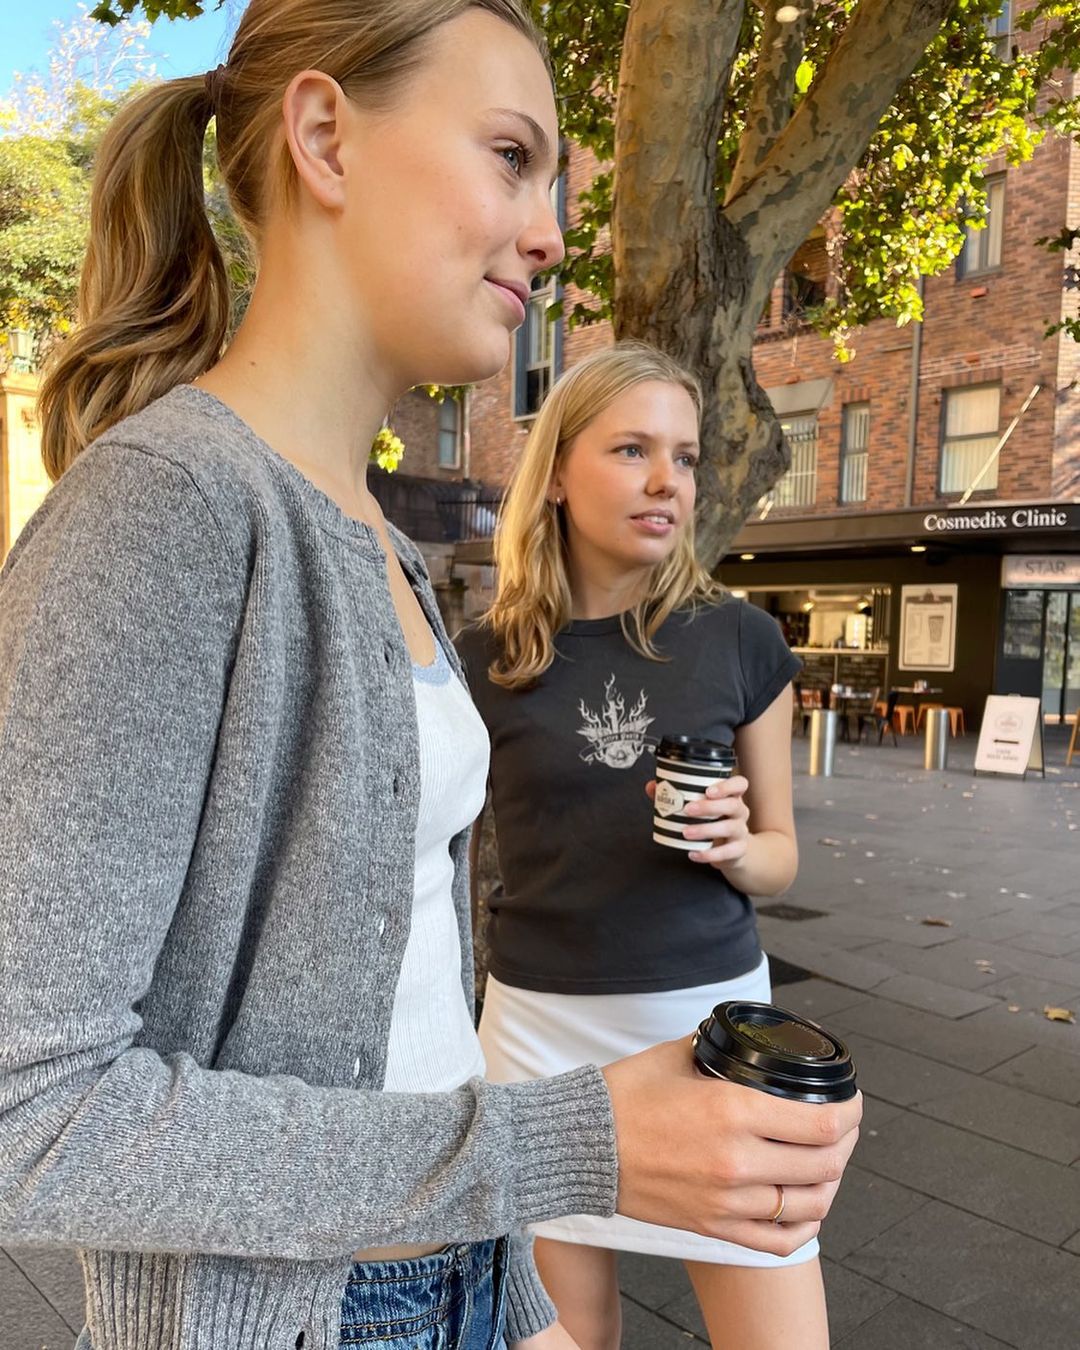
x: 154, y: 295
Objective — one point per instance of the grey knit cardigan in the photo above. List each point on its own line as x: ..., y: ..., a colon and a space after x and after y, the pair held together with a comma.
x: 209, y: 783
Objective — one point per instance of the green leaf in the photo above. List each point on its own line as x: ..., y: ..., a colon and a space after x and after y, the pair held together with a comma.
x: 804, y: 76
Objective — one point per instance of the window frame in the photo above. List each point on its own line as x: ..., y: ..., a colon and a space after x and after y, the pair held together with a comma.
x: 441, y: 431
x: 945, y: 441
x: 980, y: 238
x: 547, y: 286
x: 999, y: 34
x: 847, y: 455
x: 791, y: 477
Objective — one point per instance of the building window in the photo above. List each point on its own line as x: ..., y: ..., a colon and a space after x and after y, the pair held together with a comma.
x: 798, y: 487
x: 535, y: 349
x: 538, y: 342
x: 806, y: 278
x: 1000, y: 29
x: 854, y: 452
x: 982, y: 247
x: 970, y: 434
x: 449, y: 433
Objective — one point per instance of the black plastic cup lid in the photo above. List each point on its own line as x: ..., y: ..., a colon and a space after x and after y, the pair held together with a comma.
x: 695, y: 749
x: 762, y: 1046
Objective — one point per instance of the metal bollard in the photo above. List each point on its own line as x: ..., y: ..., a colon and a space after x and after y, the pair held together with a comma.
x: 822, y: 742
x: 937, y: 738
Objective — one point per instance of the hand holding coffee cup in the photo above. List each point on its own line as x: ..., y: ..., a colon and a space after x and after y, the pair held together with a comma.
x: 709, y: 1154
x: 698, y: 804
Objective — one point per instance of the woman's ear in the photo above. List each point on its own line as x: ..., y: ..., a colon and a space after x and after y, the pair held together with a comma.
x: 315, y: 111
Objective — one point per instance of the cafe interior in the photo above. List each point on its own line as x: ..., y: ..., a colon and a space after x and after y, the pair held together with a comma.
x: 841, y: 633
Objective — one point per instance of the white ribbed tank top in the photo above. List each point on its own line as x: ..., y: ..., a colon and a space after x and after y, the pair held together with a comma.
x: 433, y: 1045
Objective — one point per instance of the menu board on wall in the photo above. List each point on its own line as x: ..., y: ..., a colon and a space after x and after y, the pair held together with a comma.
x: 927, y: 627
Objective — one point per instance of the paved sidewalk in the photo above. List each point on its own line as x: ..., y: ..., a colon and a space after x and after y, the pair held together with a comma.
x: 958, y: 1224
x: 959, y: 1221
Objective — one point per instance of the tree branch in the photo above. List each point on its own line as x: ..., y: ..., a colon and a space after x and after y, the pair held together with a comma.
x: 830, y: 130
x: 676, y: 65
x: 773, y: 91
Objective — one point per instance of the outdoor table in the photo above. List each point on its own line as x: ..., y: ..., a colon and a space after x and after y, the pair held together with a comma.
x: 842, y: 700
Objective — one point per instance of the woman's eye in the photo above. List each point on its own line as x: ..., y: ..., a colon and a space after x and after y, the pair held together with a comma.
x: 688, y: 462
x: 630, y: 451
x: 516, y: 156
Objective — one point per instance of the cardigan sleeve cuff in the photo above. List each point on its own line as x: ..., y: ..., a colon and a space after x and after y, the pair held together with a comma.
x: 566, y: 1161
x: 528, y: 1308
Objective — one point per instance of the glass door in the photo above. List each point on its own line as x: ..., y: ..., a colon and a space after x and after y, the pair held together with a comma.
x: 1071, y: 692
x: 1055, y: 636
x: 1061, y: 655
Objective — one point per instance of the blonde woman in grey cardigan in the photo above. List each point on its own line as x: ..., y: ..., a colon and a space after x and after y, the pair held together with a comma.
x: 237, y: 1064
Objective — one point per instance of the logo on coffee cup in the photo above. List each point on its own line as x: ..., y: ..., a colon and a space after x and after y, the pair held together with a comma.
x: 669, y: 800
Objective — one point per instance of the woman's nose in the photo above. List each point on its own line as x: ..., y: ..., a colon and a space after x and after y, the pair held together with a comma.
x: 542, y: 241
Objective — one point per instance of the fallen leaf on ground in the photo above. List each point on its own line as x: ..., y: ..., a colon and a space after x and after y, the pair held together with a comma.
x: 831, y: 843
x: 1059, y: 1014
x: 1014, y: 1007
x: 932, y: 921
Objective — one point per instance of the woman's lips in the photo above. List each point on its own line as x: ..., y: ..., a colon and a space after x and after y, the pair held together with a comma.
x: 512, y: 296
x: 658, y: 524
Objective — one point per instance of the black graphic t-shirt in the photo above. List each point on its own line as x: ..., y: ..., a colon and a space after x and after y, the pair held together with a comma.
x: 591, y: 904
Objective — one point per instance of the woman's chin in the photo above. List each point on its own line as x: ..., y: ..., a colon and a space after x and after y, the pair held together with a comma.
x: 473, y: 364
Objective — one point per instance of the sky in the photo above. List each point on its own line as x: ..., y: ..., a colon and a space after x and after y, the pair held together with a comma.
x: 181, y: 47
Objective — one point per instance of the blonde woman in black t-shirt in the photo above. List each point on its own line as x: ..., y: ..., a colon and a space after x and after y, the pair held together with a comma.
x: 604, y: 635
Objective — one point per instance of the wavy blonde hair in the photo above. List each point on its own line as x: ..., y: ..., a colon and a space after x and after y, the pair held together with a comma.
x: 154, y: 302
x: 532, y: 599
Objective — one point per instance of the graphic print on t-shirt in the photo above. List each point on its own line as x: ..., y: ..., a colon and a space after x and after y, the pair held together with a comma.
x: 616, y: 738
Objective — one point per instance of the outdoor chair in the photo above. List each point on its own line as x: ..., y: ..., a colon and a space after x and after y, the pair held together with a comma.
x: 881, y: 720
x: 956, y: 719
x: 797, y: 721
x: 874, y: 705
x: 809, y: 699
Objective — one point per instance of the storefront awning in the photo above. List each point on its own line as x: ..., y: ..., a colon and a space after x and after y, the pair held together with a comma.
x: 997, y: 527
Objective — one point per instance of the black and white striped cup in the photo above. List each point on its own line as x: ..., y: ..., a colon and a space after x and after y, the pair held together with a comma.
x: 685, y: 767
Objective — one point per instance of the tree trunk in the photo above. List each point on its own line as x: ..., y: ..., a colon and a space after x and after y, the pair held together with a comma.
x: 692, y: 277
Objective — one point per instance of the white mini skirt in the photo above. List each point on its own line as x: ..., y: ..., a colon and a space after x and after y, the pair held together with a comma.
x: 527, y: 1035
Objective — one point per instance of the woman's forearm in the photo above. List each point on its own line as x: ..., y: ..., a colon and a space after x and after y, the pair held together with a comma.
x: 767, y: 867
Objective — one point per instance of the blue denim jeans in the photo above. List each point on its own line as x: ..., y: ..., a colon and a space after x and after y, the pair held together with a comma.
x: 450, y: 1301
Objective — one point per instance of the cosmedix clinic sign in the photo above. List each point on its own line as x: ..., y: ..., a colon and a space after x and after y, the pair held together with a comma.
x: 991, y: 519
x: 1040, y: 571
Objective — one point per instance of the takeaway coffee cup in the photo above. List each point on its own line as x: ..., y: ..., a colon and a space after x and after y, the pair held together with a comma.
x: 685, y: 767
x: 761, y: 1046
